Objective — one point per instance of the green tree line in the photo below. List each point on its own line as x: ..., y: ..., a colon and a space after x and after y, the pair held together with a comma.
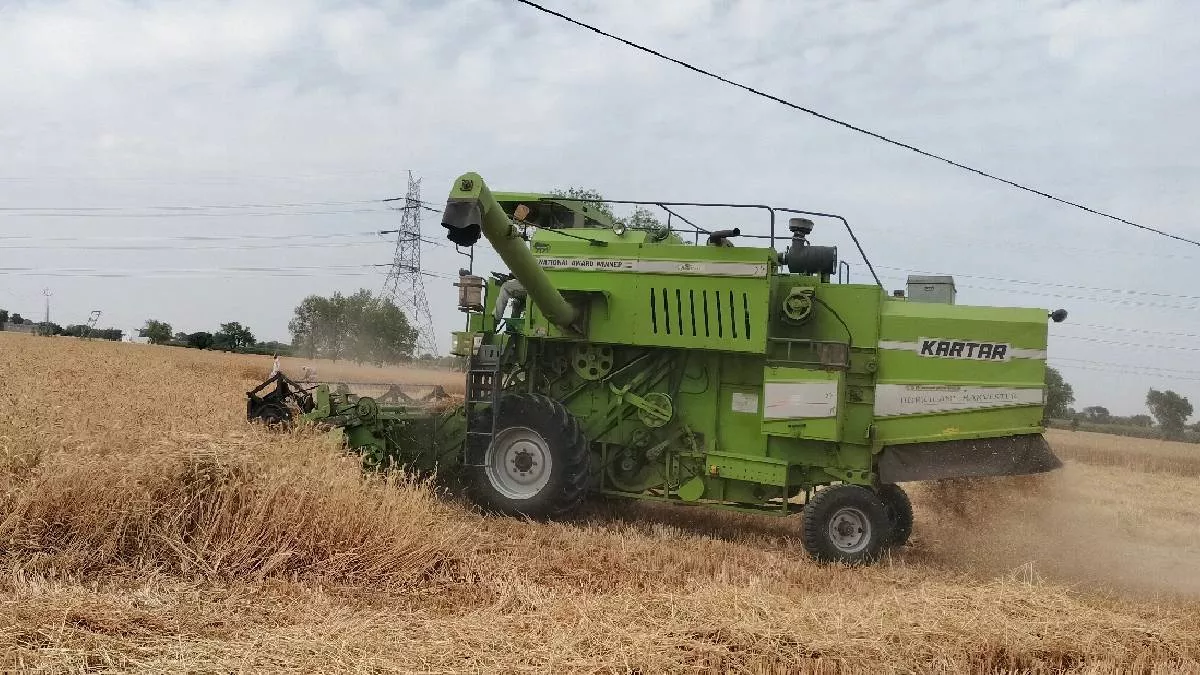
x: 230, y: 337
x: 1168, y: 411
x: 359, y: 327
x: 50, y: 328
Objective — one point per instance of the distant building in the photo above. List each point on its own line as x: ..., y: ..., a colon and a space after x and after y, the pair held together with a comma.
x: 19, y: 327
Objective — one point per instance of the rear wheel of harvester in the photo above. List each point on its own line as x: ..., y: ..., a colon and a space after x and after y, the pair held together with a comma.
x: 845, y: 523
x: 537, y: 463
x: 899, y: 512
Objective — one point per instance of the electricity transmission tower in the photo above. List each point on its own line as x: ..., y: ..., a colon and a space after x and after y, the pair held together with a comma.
x: 47, y: 292
x: 404, y: 283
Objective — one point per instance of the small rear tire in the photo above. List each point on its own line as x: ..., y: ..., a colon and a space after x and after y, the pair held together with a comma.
x: 847, y: 524
x: 899, y: 511
x: 537, y: 464
x: 273, y: 414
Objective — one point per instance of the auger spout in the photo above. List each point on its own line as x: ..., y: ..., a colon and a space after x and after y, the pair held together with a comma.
x: 471, y: 210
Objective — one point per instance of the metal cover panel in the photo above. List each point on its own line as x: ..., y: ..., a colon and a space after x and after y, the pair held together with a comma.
x: 1006, y: 456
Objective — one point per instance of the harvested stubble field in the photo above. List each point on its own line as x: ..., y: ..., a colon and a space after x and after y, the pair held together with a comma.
x: 146, y: 527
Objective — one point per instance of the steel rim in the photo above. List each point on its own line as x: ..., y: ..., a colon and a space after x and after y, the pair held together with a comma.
x: 850, y: 529
x: 518, y: 463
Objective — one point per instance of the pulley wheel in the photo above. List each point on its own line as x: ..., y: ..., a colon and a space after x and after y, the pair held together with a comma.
x: 366, y: 408
x: 592, y: 362
x: 655, y: 419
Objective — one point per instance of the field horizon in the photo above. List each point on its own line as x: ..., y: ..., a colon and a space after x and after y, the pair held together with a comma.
x: 148, y: 527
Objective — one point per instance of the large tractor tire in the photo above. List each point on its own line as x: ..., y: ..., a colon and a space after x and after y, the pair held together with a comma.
x: 537, y: 463
x: 847, y: 524
x: 899, y: 511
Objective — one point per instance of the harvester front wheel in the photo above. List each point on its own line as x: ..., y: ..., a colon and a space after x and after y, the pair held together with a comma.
x: 537, y: 463
x: 899, y: 511
x: 846, y: 523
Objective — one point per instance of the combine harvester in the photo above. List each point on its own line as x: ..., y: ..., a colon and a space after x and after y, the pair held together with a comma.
x: 637, y: 364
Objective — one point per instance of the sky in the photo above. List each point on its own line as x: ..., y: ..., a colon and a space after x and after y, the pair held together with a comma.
x: 201, y: 162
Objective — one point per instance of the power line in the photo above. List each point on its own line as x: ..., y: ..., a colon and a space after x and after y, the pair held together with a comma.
x: 1040, y: 293
x: 218, y: 247
x: 202, y: 237
x: 182, y: 214
x: 423, y: 204
x: 188, y: 207
x: 252, y: 268
x: 222, y: 178
x: 196, y: 209
x: 1131, y: 366
x: 1130, y: 371
x: 183, y: 273
x: 1042, y: 248
x: 1051, y: 284
x: 1063, y: 296
x: 853, y: 127
x: 1140, y: 345
x: 1136, y: 330
x: 175, y: 247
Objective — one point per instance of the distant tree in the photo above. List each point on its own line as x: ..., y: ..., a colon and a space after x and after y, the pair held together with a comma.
x: 80, y: 330
x: 1097, y: 413
x: 1059, y: 394
x: 3, y: 316
x: 358, y: 326
x: 198, y: 340
x: 1141, y: 421
x: 157, y: 332
x: 233, y: 336
x: 49, y: 328
x: 274, y: 347
x: 385, y: 335
x: 1170, y: 409
x: 319, y: 326
x: 640, y: 219
x: 16, y: 318
x: 590, y: 198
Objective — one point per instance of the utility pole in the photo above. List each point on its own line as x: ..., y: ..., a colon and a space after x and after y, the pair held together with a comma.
x: 404, y: 282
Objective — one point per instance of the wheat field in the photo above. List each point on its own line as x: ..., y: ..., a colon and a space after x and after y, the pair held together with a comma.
x: 146, y: 527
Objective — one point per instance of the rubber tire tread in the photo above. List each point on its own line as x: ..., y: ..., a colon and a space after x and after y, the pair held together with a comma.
x: 896, y: 501
x: 567, y: 487
x: 821, y: 508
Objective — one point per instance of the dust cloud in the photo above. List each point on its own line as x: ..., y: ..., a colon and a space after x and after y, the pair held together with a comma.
x: 1099, y: 528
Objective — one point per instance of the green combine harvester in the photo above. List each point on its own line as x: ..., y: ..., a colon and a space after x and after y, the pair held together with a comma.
x: 630, y: 362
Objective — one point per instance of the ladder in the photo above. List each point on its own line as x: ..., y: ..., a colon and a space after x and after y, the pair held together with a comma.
x: 484, y: 388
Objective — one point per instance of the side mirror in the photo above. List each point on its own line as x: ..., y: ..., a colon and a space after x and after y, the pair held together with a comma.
x: 1058, y: 315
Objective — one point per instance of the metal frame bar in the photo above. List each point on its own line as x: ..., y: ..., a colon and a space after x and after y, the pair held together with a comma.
x: 770, y: 209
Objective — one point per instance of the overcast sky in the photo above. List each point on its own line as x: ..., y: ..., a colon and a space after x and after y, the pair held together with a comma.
x: 311, y: 110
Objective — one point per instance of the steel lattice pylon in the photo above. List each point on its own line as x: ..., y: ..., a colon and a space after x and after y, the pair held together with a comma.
x: 404, y: 282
